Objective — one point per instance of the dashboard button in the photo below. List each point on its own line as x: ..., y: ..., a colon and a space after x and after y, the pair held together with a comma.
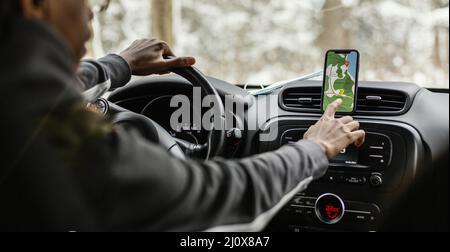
x: 355, y: 180
x: 310, y: 212
x: 376, y: 180
x: 330, y: 209
x: 309, y: 202
x: 299, y: 201
x: 333, y: 178
x: 359, y: 217
x: 305, y: 202
x: 300, y: 211
x: 377, y: 160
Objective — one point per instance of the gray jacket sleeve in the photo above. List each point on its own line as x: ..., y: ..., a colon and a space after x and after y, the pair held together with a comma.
x: 112, y: 67
x: 148, y: 190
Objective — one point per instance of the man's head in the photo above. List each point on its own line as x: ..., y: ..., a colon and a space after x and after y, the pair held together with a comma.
x: 70, y: 18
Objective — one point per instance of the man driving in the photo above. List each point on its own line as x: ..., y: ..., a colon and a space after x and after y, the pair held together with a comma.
x: 66, y: 168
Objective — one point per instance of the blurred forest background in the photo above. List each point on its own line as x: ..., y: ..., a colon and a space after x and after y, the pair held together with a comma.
x: 264, y: 41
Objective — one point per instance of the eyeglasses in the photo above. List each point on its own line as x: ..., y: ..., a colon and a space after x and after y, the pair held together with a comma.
x: 99, y: 5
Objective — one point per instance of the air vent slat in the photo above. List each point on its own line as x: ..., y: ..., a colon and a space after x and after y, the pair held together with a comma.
x: 371, y: 101
x: 305, y: 107
x: 304, y: 94
x: 401, y: 104
x: 376, y: 108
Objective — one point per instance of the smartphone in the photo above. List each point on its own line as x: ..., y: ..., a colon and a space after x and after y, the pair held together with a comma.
x: 340, y: 80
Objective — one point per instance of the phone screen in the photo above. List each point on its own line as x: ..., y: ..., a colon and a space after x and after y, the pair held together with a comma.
x: 341, y: 79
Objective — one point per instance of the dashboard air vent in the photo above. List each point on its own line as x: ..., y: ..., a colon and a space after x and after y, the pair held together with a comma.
x: 371, y: 101
x: 379, y: 101
x: 307, y: 99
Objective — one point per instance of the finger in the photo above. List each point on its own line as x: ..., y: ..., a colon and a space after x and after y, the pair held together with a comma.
x: 346, y: 119
x: 358, y: 137
x: 360, y: 142
x: 179, y: 62
x: 156, y: 44
x: 167, y: 51
x: 332, y: 108
x: 160, y: 46
x: 352, y: 126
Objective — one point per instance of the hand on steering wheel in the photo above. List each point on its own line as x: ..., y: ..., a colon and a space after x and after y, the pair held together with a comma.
x: 159, y: 135
x: 153, y: 56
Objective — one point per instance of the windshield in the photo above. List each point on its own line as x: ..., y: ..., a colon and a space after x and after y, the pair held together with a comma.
x: 264, y: 41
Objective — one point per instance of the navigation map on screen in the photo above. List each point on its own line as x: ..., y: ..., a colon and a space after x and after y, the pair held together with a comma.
x: 340, y: 80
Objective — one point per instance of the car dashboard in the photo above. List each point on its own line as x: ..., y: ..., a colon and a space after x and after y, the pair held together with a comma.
x: 366, y: 189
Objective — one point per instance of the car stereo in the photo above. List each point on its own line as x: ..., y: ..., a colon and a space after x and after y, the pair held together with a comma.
x: 365, y: 168
x: 375, y: 155
x: 354, y: 194
x: 348, y: 156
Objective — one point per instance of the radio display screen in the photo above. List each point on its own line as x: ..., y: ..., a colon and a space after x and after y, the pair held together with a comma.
x: 349, y: 156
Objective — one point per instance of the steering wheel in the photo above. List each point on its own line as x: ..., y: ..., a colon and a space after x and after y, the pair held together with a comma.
x: 157, y: 134
x: 216, y: 137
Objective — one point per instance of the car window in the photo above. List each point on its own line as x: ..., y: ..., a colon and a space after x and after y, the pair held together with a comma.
x: 263, y: 41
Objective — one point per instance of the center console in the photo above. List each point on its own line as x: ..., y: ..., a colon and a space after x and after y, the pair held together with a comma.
x: 364, y: 166
x: 361, y: 185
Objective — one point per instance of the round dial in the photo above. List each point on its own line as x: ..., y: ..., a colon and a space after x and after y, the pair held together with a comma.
x: 330, y: 208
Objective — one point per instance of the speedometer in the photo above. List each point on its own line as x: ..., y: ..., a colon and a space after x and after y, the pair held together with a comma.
x: 160, y: 111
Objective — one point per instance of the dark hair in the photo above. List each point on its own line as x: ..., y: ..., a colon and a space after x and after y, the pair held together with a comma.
x: 9, y: 8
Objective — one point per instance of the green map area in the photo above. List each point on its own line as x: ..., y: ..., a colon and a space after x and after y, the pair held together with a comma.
x: 339, y: 82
